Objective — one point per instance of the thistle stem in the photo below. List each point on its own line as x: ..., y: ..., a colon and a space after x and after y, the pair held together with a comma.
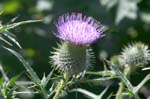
x: 43, y: 92
x: 139, y: 86
x: 102, y: 73
x: 3, y: 73
x: 61, y: 85
x: 121, y: 84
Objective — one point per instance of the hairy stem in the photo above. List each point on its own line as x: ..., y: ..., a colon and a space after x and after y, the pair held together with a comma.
x: 121, y: 84
x: 43, y: 92
x: 61, y: 85
x: 121, y: 87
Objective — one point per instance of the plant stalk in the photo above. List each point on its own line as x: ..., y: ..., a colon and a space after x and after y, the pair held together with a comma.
x: 61, y: 85
x: 121, y: 84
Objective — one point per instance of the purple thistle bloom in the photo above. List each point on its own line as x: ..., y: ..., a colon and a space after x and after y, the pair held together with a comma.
x: 78, y: 29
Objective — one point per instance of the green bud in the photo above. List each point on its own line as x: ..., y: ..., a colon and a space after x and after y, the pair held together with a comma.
x: 135, y: 54
x: 71, y: 59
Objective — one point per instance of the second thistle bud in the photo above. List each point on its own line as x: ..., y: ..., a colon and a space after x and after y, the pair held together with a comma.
x: 135, y: 54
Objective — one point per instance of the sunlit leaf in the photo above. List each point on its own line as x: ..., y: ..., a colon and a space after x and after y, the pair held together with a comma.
x: 125, y: 8
x: 108, y: 3
x: 1, y: 12
x: 91, y: 95
x: 11, y: 7
x: 30, y: 52
x: 5, y: 41
x: 1, y: 80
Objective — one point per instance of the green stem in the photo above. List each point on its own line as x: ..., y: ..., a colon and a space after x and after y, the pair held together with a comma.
x: 121, y: 84
x: 121, y: 87
x: 3, y: 73
x: 124, y: 79
x: 102, y: 73
x: 97, y: 80
x: 138, y: 87
x: 61, y: 85
x: 43, y: 92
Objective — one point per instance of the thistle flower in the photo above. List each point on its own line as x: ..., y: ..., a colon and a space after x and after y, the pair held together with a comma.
x: 78, y: 31
x: 135, y: 54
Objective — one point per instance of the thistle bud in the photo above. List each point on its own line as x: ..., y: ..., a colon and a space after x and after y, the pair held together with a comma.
x: 135, y: 54
x: 71, y: 59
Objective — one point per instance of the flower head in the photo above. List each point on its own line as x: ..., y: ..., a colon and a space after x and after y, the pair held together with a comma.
x: 78, y: 29
x: 136, y: 54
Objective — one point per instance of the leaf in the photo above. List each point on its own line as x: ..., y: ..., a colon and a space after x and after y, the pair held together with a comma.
x: 13, y: 80
x: 26, y: 65
x: 4, y: 28
x: 1, y: 12
x: 148, y: 97
x: 49, y: 77
x: 145, y: 17
x: 5, y: 41
x: 43, y: 80
x: 87, y: 93
x: 8, y: 35
x: 90, y: 94
x: 11, y: 7
x: 126, y: 8
x: 108, y: 3
x: 4, y: 31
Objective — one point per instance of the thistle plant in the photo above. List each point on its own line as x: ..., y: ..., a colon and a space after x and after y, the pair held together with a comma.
x: 73, y: 57
x: 133, y: 56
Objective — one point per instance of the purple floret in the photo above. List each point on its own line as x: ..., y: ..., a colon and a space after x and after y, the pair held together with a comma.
x: 78, y: 29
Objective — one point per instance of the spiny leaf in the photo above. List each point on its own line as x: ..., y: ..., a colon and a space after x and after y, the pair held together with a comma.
x: 49, y: 77
x: 13, y: 80
x: 4, y: 31
x: 43, y: 80
x: 4, y: 28
x: 26, y: 65
x: 90, y: 94
x: 8, y: 34
x: 5, y: 41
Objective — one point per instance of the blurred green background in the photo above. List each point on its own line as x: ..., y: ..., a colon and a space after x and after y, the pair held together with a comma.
x: 127, y: 20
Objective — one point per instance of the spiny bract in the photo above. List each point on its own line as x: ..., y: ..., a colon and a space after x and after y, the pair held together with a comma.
x: 71, y: 59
